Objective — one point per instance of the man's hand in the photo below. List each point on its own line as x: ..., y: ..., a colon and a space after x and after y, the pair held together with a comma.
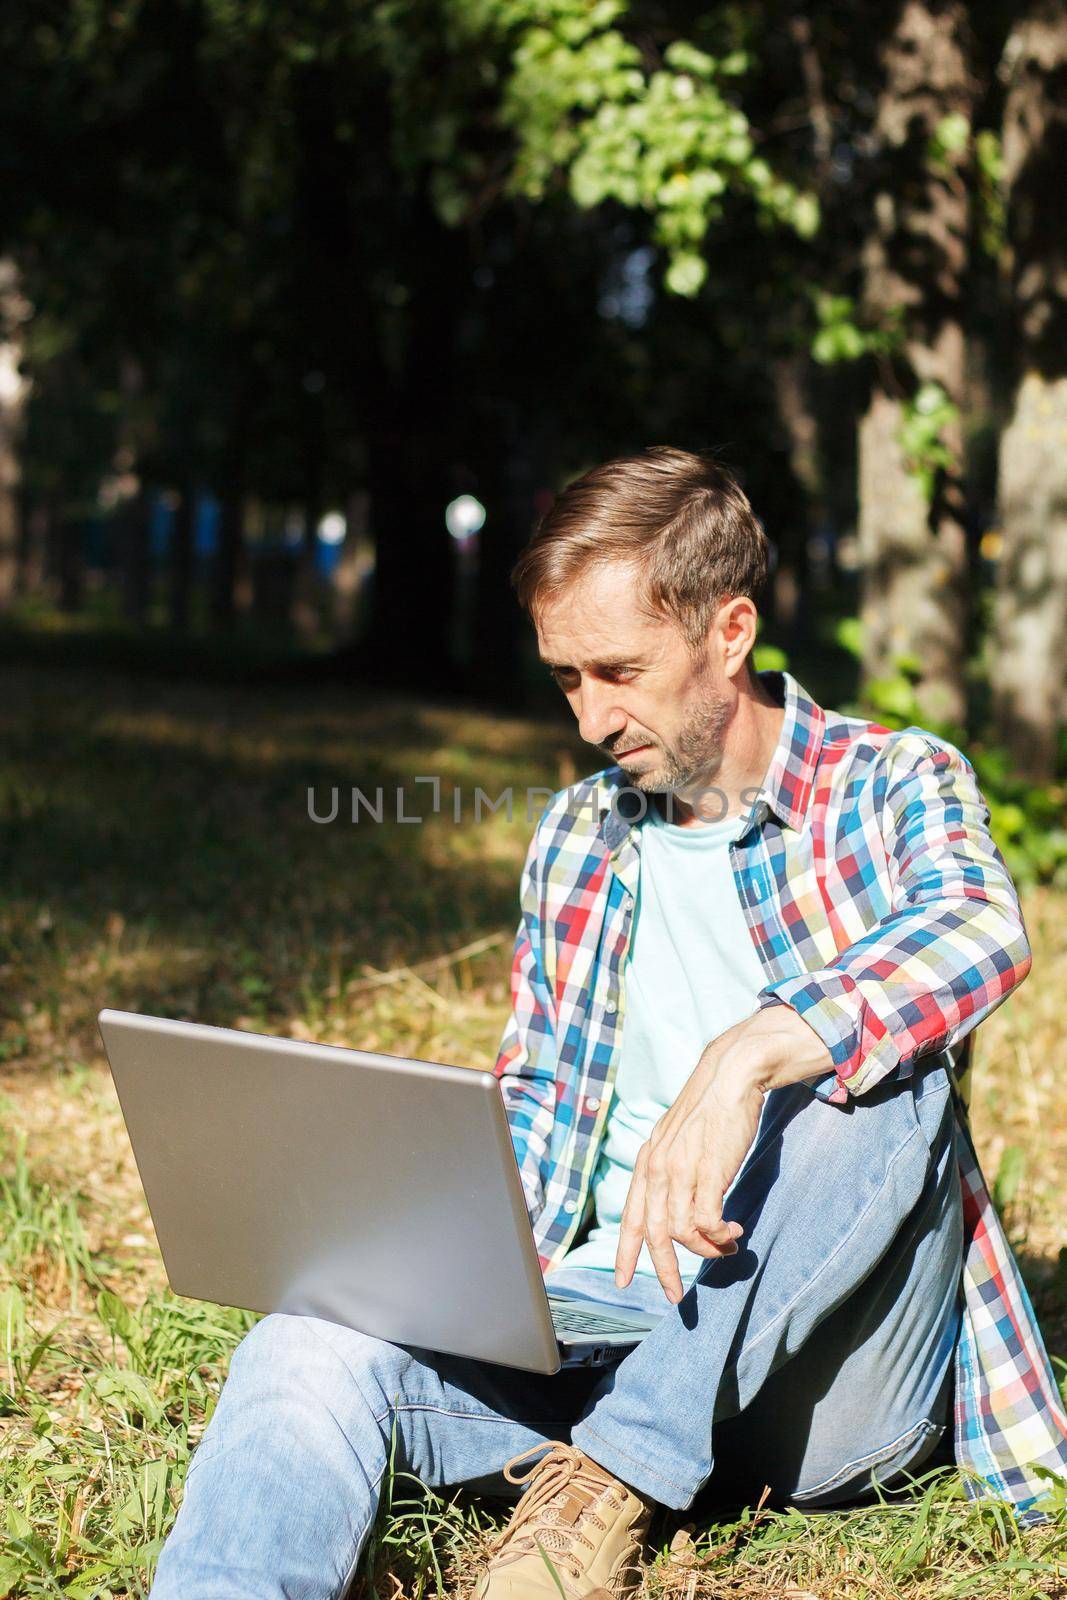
x: 684, y: 1170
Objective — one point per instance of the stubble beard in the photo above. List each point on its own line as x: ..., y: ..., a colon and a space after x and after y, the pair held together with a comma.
x: 694, y: 760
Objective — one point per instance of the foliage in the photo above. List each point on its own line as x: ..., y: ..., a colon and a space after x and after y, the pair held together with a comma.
x: 844, y: 335
x: 1025, y: 819
x: 657, y: 131
x: 413, y: 249
x: 926, y: 417
x: 992, y: 210
x: 927, y: 414
x: 951, y: 138
x: 669, y: 141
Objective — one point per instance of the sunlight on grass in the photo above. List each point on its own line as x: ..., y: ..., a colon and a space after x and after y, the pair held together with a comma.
x: 160, y: 857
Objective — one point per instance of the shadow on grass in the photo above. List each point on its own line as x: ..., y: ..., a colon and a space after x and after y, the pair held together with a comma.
x: 157, y: 842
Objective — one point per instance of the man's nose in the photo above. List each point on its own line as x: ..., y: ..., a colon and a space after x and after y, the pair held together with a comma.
x: 599, y: 712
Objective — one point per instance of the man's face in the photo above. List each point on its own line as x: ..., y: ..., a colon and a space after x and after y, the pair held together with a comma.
x: 637, y: 691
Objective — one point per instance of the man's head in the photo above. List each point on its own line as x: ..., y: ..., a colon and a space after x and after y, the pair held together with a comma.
x: 642, y: 580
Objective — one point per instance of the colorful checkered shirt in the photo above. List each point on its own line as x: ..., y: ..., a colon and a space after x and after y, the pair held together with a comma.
x: 882, y: 912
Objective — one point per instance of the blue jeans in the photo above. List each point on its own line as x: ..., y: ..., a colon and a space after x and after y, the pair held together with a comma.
x: 813, y: 1360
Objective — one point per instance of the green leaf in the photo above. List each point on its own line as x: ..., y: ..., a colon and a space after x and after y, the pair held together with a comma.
x: 806, y: 215
x: 117, y: 1318
x: 552, y: 1570
x: 908, y: 665
x: 950, y: 137
x: 769, y: 658
x: 18, y: 1526
x: 681, y: 56
x: 686, y: 273
x: 1054, y: 1500
x: 11, y: 1570
x: 12, y: 1320
x: 894, y: 696
x: 849, y: 635
x: 130, y: 1392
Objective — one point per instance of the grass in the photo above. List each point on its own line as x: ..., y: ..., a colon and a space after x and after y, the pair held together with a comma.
x: 156, y: 853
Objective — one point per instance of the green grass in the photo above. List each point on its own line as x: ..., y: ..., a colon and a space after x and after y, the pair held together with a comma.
x: 157, y: 854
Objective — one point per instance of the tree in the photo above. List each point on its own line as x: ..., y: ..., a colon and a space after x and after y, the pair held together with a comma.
x: 1030, y: 643
x: 911, y: 527
x: 13, y: 312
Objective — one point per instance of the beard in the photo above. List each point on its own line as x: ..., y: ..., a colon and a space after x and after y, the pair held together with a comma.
x: 693, y: 758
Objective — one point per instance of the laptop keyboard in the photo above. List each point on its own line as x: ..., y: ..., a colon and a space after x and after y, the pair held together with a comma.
x: 569, y: 1319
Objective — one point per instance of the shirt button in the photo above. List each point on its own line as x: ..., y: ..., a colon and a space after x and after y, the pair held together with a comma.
x: 570, y: 1206
x: 610, y: 1007
x: 592, y: 1104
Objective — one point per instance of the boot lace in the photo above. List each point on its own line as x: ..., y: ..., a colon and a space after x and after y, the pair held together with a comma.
x: 556, y: 1508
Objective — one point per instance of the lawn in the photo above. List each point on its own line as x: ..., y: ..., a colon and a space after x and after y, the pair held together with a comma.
x: 158, y: 855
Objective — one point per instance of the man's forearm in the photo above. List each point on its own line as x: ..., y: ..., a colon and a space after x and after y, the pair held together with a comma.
x: 683, y: 1171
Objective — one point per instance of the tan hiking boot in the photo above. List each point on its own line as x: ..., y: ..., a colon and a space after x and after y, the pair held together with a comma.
x: 588, y: 1525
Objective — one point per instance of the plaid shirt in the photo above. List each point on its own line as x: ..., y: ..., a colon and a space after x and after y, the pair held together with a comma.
x: 882, y: 912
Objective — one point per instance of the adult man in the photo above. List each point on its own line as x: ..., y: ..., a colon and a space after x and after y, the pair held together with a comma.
x: 799, y: 914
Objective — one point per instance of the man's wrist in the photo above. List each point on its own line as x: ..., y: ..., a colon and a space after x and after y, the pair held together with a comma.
x: 772, y: 1048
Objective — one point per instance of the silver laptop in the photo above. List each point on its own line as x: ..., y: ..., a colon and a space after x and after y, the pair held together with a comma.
x: 373, y: 1191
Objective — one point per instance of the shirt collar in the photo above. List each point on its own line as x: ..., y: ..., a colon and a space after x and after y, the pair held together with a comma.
x: 790, y: 776
x: 787, y: 784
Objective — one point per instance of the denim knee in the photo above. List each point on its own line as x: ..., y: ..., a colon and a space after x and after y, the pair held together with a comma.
x: 295, y: 1373
x: 883, y: 1466
x: 892, y: 1462
x: 287, y: 1353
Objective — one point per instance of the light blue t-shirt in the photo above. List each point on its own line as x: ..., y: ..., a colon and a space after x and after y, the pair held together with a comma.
x: 692, y: 971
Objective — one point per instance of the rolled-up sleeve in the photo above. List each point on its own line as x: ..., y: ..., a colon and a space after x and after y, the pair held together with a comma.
x: 953, y: 947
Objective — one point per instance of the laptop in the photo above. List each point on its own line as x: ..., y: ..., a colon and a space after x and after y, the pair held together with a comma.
x: 370, y: 1190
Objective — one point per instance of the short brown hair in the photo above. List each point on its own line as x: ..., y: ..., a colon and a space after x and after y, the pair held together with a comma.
x: 681, y: 516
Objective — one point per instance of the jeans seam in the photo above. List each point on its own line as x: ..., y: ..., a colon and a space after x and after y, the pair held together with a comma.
x: 536, y: 1426
x: 361, y: 1543
x: 420, y: 1405
x: 917, y: 1430
x: 641, y: 1462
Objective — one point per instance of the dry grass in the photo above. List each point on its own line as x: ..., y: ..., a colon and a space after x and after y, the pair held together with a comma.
x: 160, y: 857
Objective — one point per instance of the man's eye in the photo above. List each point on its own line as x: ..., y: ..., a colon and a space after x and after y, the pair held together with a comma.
x: 562, y: 676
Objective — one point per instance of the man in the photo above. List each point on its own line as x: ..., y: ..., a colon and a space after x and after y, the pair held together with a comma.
x: 799, y: 914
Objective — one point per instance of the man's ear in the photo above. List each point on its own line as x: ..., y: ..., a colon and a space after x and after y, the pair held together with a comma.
x: 733, y: 632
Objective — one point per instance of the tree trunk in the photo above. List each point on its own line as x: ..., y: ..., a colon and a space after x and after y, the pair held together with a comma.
x: 136, y: 555
x: 508, y: 487
x: 408, y: 641
x: 230, y: 587
x: 353, y: 567
x: 912, y: 539
x: 33, y: 543
x: 9, y: 526
x: 1030, y: 631
x: 411, y: 444
x: 304, y: 605
x: 229, y: 554
x: 13, y: 388
x: 790, y: 579
x: 181, y: 559
x: 71, y: 556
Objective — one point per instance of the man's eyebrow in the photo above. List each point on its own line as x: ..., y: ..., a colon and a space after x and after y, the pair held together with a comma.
x: 601, y: 666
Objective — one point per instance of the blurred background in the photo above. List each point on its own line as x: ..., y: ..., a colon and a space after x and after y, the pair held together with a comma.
x: 307, y: 309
